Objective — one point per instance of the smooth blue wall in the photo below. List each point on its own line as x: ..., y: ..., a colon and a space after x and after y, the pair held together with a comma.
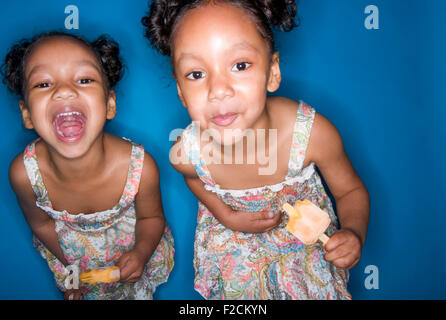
x: 383, y: 90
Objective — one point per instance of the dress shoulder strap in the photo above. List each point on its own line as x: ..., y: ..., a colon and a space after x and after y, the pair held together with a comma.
x: 191, y: 144
x: 134, y: 174
x: 33, y: 172
x: 301, y: 136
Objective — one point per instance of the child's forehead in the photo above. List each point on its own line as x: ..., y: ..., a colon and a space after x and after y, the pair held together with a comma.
x: 213, y: 22
x: 59, y: 49
x: 218, y: 12
x: 61, y: 44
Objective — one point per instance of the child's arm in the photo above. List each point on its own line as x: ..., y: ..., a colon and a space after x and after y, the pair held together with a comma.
x: 149, y: 226
x: 252, y: 222
x: 352, y: 199
x: 40, y: 223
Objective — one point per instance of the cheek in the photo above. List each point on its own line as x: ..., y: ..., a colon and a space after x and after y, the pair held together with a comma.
x: 194, y: 94
x: 196, y: 102
x: 97, y: 102
x: 96, y: 96
x: 253, y: 91
x: 38, y: 115
x: 254, y: 84
x: 36, y: 102
x: 197, y: 114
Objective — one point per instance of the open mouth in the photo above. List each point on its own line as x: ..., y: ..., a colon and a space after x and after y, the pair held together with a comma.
x: 224, y: 120
x: 69, y: 126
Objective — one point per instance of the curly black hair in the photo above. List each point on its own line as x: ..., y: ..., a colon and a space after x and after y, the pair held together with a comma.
x: 164, y: 17
x: 105, y: 49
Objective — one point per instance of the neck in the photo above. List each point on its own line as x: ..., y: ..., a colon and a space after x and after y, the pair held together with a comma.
x: 85, y: 166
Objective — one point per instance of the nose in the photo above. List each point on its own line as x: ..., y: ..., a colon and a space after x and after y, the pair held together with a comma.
x: 64, y: 91
x: 220, y: 87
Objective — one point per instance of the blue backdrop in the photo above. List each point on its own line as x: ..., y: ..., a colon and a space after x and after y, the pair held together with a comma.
x: 382, y: 88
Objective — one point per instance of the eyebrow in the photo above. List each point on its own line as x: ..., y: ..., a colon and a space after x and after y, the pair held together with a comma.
x: 81, y: 62
x: 239, y: 45
x: 244, y: 45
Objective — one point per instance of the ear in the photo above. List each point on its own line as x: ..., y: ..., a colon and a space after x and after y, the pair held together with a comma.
x: 111, y: 105
x: 275, y: 77
x: 26, y: 115
x: 180, y: 95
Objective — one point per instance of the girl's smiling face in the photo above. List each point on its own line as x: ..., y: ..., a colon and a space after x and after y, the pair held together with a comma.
x: 65, y: 97
x: 223, y: 68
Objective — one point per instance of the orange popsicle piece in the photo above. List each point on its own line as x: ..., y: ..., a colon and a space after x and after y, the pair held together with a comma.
x: 307, y: 221
x: 106, y: 275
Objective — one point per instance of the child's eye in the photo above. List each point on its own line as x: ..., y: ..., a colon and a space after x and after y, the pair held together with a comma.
x: 195, y: 75
x: 241, y: 66
x: 42, y: 85
x: 85, y: 81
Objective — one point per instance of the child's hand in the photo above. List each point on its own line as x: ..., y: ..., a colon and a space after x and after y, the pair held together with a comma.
x: 343, y: 249
x: 131, y: 265
x: 254, y: 222
x: 73, y: 294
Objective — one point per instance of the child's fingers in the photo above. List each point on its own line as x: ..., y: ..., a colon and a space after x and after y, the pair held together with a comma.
x: 134, y: 274
x: 333, y: 243
x: 122, y: 260
x: 265, y: 215
x: 125, y: 273
x: 346, y: 262
x: 343, y: 256
x: 337, y: 253
x: 78, y: 295
x: 68, y: 295
x: 343, y: 238
x: 130, y: 271
x: 255, y: 222
x: 134, y: 277
x: 73, y: 294
x: 265, y: 223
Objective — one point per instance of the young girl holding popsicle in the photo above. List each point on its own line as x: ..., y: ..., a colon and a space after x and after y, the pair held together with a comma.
x: 224, y: 63
x: 91, y: 198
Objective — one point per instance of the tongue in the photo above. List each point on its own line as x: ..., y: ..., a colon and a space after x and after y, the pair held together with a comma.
x: 69, y: 126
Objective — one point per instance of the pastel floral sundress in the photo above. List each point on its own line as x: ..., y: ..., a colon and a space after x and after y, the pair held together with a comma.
x: 274, y: 264
x: 99, y: 239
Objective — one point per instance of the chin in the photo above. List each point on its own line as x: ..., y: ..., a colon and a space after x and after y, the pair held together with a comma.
x: 71, y: 152
x: 233, y: 137
x: 67, y: 150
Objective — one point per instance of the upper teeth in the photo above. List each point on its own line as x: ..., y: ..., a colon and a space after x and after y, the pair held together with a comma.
x: 68, y: 113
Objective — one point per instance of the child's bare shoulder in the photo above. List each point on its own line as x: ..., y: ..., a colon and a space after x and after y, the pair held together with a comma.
x: 180, y: 161
x: 283, y: 108
x: 150, y: 176
x: 323, y: 131
x: 324, y: 139
x: 18, y: 178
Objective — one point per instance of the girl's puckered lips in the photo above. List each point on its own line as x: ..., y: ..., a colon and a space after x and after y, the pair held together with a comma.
x: 225, y: 120
x: 69, y: 124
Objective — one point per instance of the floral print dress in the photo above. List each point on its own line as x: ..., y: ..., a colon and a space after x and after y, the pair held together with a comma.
x: 274, y: 264
x: 99, y: 239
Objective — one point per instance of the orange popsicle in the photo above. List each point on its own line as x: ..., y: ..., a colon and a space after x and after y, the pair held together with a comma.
x: 111, y: 274
x: 307, y: 221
